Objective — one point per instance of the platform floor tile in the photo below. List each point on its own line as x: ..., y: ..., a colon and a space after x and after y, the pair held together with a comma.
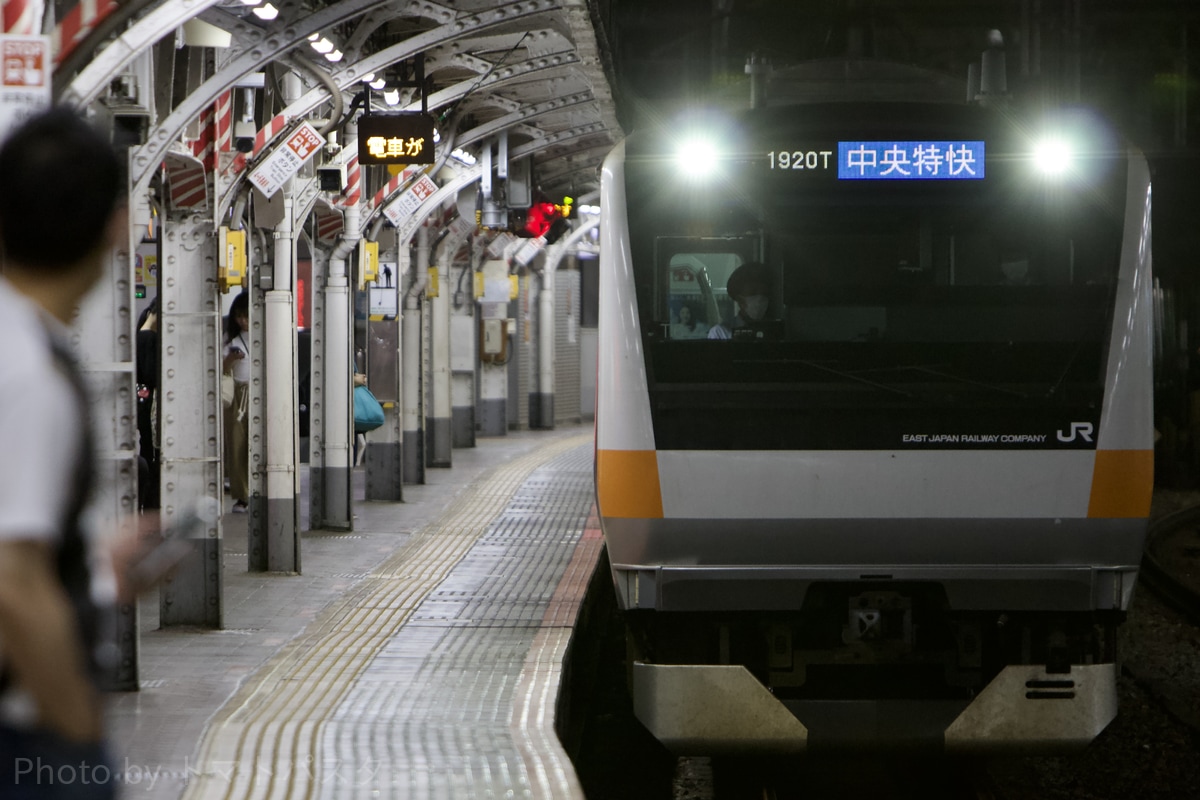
x: 434, y: 675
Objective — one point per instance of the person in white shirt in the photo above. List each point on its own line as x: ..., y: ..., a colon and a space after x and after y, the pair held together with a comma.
x: 50, y: 624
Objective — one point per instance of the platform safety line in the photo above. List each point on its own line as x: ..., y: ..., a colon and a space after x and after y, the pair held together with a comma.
x: 264, y: 742
x: 551, y: 774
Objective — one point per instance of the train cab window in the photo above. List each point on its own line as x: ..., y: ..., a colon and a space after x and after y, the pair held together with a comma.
x: 691, y: 283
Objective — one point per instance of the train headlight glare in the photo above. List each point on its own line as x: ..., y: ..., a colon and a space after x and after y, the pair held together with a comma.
x: 696, y: 158
x: 1053, y: 156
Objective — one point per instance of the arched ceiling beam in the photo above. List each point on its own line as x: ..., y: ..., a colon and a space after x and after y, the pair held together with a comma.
x: 261, y: 47
x: 469, y: 175
x: 143, y: 34
x: 429, y: 42
x: 525, y: 114
x: 381, y: 16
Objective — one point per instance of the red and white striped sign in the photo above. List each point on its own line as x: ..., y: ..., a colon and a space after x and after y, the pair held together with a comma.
x: 353, y: 192
x: 215, y: 131
x: 23, y: 17
x: 392, y: 185
x: 329, y: 226
x: 77, y: 24
x: 187, y: 181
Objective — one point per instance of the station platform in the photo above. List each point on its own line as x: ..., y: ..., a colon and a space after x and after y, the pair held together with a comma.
x: 418, y: 656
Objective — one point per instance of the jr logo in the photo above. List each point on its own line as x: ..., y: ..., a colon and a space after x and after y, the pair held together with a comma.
x: 1081, y: 429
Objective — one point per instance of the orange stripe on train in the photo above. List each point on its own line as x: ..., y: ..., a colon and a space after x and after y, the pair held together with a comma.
x: 1122, y: 483
x: 627, y: 484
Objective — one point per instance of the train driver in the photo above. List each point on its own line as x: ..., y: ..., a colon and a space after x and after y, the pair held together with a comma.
x: 750, y: 286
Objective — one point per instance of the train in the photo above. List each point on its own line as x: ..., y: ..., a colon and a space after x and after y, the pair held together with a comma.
x: 874, y: 422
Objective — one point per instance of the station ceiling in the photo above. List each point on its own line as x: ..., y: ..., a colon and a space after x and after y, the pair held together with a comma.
x: 532, y: 69
x: 567, y: 79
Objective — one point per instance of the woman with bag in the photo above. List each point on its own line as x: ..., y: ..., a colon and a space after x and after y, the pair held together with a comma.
x: 236, y: 371
x: 147, y: 366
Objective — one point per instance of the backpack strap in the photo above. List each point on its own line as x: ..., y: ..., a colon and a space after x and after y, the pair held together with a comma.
x: 71, y: 555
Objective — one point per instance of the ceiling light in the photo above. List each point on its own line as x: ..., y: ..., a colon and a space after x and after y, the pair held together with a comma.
x: 267, y: 12
x: 335, y: 56
x: 322, y: 46
x: 391, y: 97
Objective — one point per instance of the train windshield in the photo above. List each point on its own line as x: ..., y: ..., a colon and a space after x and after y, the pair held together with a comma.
x: 819, y: 272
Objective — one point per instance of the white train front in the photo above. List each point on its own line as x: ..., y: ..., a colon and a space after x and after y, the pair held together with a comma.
x: 901, y: 501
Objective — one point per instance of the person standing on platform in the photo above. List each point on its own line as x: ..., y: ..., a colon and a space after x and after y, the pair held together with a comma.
x: 147, y: 405
x: 61, y: 209
x: 236, y: 364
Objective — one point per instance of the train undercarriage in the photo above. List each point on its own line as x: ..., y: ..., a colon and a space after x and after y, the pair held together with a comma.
x: 863, y: 666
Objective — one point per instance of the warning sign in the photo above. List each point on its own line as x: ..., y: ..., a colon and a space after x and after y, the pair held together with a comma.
x: 24, y: 79
x: 286, y: 159
x: 408, y: 202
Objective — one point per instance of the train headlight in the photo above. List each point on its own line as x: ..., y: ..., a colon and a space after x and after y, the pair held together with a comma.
x: 1053, y: 156
x: 696, y: 158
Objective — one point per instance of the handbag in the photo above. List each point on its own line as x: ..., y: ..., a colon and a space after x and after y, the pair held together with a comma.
x: 368, y: 414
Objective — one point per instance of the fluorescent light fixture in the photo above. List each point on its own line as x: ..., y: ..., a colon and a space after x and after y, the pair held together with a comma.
x: 378, y: 84
x: 322, y: 46
x: 335, y: 56
x: 251, y: 2
x: 391, y: 97
x: 463, y: 156
x: 267, y: 12
x: 370, y: 76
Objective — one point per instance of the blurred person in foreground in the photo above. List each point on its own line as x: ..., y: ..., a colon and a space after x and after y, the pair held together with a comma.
x: 61, y: 210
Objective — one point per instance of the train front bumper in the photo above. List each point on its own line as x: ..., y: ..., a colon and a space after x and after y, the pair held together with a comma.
x: 725, y: 710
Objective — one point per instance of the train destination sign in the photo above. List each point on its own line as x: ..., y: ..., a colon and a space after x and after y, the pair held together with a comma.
x: 885, y: 160
x: 402, y: 138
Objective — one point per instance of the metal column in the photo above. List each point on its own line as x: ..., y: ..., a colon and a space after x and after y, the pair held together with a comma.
x: 438, y: 424
x: 190, y: 405
x: 316, y: 400
x: 385, y: 454
x: 464, y: 332
x: 274, y: 536
x: 103, y: 340
x: 410, y: 345
x: 541, y: 399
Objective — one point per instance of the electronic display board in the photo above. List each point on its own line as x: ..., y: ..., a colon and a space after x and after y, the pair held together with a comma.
x: 882, y: 160
x: 401, y: 138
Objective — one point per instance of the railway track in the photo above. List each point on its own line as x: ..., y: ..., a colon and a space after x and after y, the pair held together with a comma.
x: 1171, y: 561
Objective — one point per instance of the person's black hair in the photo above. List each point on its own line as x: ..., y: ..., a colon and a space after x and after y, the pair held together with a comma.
x: 240, y: 304
x: 751, y: 273
x: 146, y: 312
x: 58, y: 175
